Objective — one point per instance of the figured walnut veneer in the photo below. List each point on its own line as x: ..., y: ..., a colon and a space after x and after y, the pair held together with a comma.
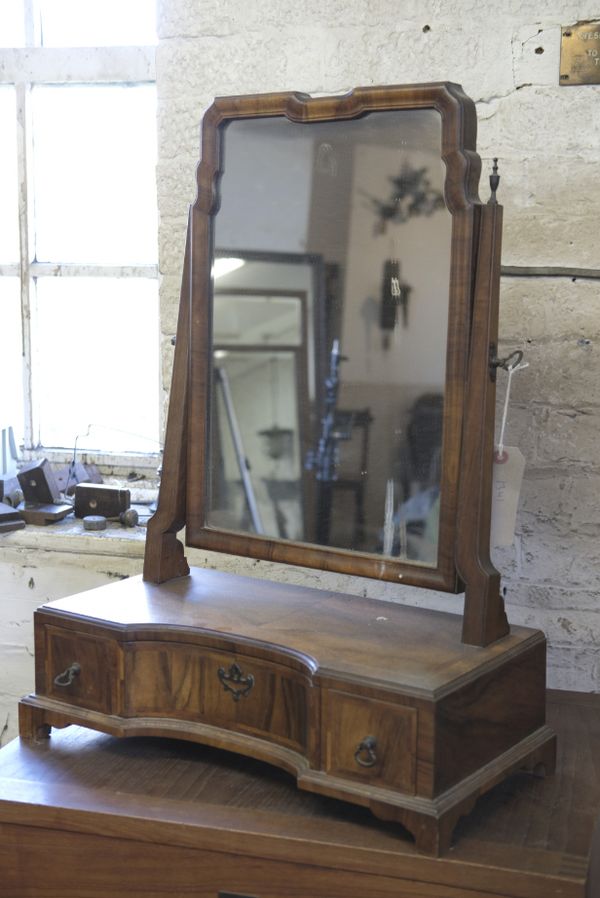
x: 448, y: 719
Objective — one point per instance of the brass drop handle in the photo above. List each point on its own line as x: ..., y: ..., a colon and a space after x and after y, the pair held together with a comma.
x: 242, y: 683
x: 365, y: 752
x: 67, y: 677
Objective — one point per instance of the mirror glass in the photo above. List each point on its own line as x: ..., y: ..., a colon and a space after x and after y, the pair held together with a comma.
x: 331, y: 270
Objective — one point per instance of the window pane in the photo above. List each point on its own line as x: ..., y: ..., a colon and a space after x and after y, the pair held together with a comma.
x: 94, y: 170
x: 9, y: 214
x: 12, y: 23
x: 97, y: 23
x: 96, y: 365
x: 11, y: 358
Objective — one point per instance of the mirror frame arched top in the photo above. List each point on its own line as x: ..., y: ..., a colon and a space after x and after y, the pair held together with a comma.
x: 458, y: 130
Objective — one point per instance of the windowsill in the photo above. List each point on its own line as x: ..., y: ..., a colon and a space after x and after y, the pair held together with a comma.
x: 70, y: 538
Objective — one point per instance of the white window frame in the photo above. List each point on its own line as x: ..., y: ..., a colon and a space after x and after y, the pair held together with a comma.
x: 23, y: 68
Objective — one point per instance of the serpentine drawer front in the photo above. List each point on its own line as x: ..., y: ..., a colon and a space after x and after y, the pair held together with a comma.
x: 261, y: 698
x: 163, y: 679
x: 370, y: 740
x: 413, y: 735
x: 228, y: 690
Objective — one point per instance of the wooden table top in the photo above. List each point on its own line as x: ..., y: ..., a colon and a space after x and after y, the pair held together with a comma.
x: 531, y: 838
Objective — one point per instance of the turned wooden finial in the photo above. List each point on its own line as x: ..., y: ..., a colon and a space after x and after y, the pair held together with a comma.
x: 494, y: 181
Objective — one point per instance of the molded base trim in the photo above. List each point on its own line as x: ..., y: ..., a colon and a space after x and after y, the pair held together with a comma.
x: 431, y: 821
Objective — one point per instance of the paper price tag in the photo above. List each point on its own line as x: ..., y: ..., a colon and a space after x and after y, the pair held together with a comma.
x: 508, y: 470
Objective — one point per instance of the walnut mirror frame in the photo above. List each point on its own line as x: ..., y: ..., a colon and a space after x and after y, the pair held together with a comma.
x: 463, y: 560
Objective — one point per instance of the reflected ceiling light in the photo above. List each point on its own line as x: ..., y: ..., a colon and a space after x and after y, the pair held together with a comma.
x: 225, y: 265
x: 277, y: 442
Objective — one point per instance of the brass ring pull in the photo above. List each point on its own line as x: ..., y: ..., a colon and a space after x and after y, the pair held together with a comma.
x: 67, y: 676
x: 365, y: 753
x: 242, y: 683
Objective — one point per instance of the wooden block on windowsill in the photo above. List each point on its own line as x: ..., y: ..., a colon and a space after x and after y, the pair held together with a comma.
x: 41, y: 515
x: 39, y: 484
x: 69, y: 476
x: 109, y: 501
x: 10, y: 519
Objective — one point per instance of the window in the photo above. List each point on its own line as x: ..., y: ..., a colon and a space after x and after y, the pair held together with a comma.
x: 78, y: 226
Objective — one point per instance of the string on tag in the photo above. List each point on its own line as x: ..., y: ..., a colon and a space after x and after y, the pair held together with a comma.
x: 512, y: 369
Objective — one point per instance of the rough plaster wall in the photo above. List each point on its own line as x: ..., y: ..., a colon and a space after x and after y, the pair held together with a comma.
x: 548, y: 141
x: 29, y: 577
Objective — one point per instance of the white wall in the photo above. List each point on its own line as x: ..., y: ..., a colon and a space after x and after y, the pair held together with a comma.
x: 38, y: 565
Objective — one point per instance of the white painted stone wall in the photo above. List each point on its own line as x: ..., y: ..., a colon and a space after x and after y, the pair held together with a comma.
x: 38, y: 565
x: 548, y: 139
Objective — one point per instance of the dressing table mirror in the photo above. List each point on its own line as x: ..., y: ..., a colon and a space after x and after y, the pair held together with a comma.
x: 332, y: 407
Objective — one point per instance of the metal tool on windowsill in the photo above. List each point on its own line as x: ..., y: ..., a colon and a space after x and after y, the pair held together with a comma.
x: 128, y: 518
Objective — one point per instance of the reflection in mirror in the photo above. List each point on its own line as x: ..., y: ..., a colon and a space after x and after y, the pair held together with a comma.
x: 264, y: 495
x: 330, y: 311
x: 259, y: 407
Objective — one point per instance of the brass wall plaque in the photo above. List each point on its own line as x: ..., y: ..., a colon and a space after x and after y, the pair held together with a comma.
x: 580, y: 54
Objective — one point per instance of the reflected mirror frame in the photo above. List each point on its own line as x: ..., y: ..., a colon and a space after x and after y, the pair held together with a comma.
x: 458, y: 119
x: 313, y: 265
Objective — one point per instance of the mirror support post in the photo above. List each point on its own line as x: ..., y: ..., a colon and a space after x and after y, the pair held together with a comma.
x: 484, y: 619
x: 164, y: 557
